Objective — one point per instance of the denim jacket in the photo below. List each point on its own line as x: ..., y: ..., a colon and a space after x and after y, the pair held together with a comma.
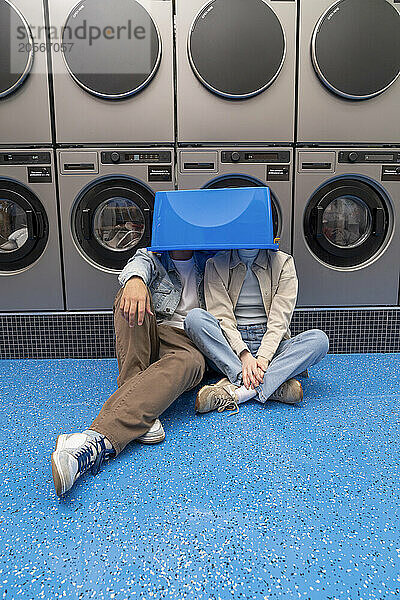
x: 161, y: 277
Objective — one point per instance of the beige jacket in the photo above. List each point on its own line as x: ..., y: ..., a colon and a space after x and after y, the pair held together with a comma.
x: 276, y: 274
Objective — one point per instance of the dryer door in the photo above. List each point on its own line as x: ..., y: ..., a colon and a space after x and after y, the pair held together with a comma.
x: 236, y: 48
x: 356, y: 48
x: 16, y: 48
x: 24, y: 227
x: 237, y: 181
x: 111, y: 219
x: 346, y: 222
x: 111, y: 49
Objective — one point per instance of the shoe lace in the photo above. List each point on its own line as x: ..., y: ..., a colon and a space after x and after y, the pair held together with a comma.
x: 223, y: 403
x: 92, y: 454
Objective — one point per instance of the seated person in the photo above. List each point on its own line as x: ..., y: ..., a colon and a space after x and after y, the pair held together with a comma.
x: 250, y: 298
x: 157, y: 361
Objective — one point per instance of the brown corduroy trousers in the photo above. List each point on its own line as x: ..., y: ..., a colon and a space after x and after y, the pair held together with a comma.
x: 157, y: 363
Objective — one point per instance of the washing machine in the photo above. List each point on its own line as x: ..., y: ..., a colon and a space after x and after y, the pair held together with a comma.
x: 349, y: 66
x: 236, y: 70
x: 106, y: 203
x: 237, y: 166
x: 23, y: 74
x: 113, y: 71
x: 30, y: 264
x: 346, y: 226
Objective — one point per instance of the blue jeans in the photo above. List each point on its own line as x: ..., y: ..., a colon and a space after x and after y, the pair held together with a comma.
x: 292, y: 357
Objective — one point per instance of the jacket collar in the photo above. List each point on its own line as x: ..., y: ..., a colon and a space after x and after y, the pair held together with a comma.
x: 261, y: 259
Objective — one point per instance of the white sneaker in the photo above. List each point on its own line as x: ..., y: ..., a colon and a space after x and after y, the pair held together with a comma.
x: 75, y: 454
x: 154, y: 435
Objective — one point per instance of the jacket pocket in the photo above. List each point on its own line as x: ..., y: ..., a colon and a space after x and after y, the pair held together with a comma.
x: 163, y: 288
x: 161, y: 295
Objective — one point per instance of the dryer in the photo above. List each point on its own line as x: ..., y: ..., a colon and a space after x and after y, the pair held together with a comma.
x: 106, y: 203
x: 30, y: 265
x: 236, y: 71
x: 113, y: 71
x: 349, y: 66
x: 346, y: 226
x: 238, y: 166
x: 23, y: 74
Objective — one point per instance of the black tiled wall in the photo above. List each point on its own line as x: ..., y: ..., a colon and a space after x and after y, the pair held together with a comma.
x: 91, y: 335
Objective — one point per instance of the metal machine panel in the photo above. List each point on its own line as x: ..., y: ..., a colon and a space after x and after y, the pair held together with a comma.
x: 106, y: 215
x: 30, y: 265
x: 24, y: 87
x: 118, y: 87
x: 346, y: 237
x: 236, y: 71
x: 349, y: 67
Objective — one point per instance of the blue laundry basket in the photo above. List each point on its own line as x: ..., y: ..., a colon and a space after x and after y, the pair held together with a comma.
x: 219, y: 219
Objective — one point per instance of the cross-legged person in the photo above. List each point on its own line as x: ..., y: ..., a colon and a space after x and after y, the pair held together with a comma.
x: 156, y: 359
x: 244, y: 334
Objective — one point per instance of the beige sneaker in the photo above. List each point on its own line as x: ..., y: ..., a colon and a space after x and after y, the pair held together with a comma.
x: 154, y: 435
x: 289, y: 392
x: 220, y: 396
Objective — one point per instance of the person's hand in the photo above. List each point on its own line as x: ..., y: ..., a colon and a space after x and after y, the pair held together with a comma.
x: 135, y: 298
x: 263, y: 363
x: 251, y: 372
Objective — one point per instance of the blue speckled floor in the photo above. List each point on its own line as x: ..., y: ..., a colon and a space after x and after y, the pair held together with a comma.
x: 275, y: 502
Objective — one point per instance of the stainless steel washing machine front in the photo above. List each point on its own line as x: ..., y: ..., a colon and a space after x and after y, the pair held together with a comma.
x: 113, y: 71
x: 236, y: 71
x: 106, y: 202
x: 349, y: 67
x: 346, y: 226
x: 24, y: 87
x: 30, y: 265
x: 239, y: 166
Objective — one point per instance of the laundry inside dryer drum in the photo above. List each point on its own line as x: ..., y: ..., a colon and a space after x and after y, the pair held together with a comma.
x: 111, y: 49
x: 236, y: 47
x: 112, y: 219
x: 16, y: 49
x: 24, y: 226
x: 356, y: 48
x: 346, y: 222
x: 237, y: 181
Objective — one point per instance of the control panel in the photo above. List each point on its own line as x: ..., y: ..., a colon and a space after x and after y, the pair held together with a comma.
x: 365, y: 156
x: 250, y: 156
x: 114, y: 157
x: 25, y: 158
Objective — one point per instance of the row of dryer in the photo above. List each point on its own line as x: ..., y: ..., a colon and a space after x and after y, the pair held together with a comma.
x: 70, y: 220
x: 114, y: 71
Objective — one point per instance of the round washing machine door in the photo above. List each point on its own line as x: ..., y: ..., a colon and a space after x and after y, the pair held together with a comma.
x: 356, y: 48
x: 237, y: 181
x: 236, y: 48
x: 111, y: 219
x: 347, y: 222
x: 16, y: 48
x: 112, y: 49
x: 24, y: 227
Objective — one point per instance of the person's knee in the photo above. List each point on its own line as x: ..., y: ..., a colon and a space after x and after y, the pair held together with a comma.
x: 195, y: 319
x: 319, y: 341
x: 200, y: 364
x: 195, y: 365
